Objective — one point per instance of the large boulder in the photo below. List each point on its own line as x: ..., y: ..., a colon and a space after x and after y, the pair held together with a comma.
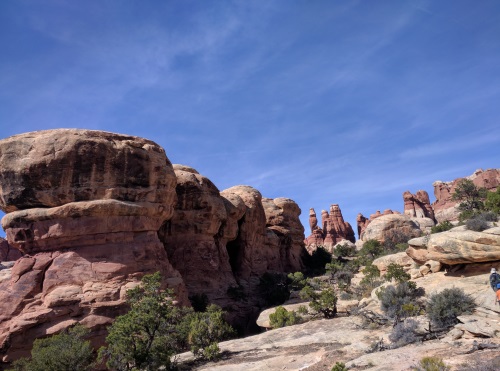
x: 457, y: 246
x: 390, y: 226
x: 84, y: 207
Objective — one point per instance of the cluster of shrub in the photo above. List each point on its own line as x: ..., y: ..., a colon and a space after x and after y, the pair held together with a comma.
x: 145, y: 338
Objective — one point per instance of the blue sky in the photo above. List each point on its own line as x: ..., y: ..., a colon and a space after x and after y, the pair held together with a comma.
x: 348, y: 102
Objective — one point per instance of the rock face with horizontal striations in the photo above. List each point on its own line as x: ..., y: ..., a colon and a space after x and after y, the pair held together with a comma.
x: 332, y: 231
x: 445, y: 208
x: 457, y: 246
x: 418, y: 205
x: 84, y: 207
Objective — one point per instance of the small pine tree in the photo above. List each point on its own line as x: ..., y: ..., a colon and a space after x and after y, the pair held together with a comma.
x: 282, y: 317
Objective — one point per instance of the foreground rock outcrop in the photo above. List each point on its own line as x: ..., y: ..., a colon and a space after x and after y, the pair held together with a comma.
x: 391, y: 226
x: 92, y: 212
x: 84, y: 207
x: 332, y: 231
x: 457, y: 246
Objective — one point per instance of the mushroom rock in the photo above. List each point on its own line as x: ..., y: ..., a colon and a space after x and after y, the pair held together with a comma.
x: 334, y: 230
x: 445, y: 208
x: 84, y: 207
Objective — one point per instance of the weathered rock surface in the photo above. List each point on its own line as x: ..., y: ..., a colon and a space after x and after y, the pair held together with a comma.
x: 220, y: 241
x: 400, y: 258
x: 457, y: 246
x: 418, y: 205
x: 84, y: 207
x: 390, y: 226
x: 445, y: 208
x: 333, y: 229
x: 363, y: 222
x: 7, y: 252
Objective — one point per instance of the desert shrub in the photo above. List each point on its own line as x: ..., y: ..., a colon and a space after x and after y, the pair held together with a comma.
x: 206, y: 329
x: 344, y: 250
x: 401, y: 246
x: 395, y: 300
x: 282, y: 317
x: 371, y: 250
x: 488, y: 216
x: 324, y: 302
x: 199, y: 302
x: 132, y: 343
x: 431, y: 364
x: 302, y: 310
x: 296, y: 281
x: 442, y: 227
x: 343, y: 279
x: 492, y: 202
x: 470, y: 196
x: 273, y: 288
x: 371, y: 272
x: 236, y: 293
x: 404, y: 333
x: 339, y: 366
x: 397, y: 273
x: 333, y: 267
x: 476, y: 224
x: 443, y: 308
x: 65, y: 351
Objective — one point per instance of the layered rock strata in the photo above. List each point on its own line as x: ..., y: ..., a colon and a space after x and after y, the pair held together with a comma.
x: 7, y: 252
x: 332, y: 231
x: 84, y: 207
x: 391, y: 227
x: 457, y: 246
x: 363, y: 222
x: 445, y: 208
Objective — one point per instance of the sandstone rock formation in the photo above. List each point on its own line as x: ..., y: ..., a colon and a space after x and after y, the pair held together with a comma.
x: 400, y: 258
x: 417, y: 205
x: 457, y: 246
x: 390, y: 226
x: 93, y: 212
x: 363, y: 222
x: 445, y: 208
x: 7, y: 252
x: 84, y: 207
x: 224, y: 240
x: 333, y: 229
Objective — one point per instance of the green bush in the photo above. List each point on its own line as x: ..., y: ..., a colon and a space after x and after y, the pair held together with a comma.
x: 442, y: 227
x: 343, y: 279
x: 282, y: 317
x: 63, y: 352
x: 147, y: 336
x: 273, y: 288
x: 431, y: 364
x: 471, y: 198
x: 443, y: 308
x: 344, y: 250
x: 296, y: 281
x: 206, y: 330
x: 395, y: 300
x: 371, y: 250
x: 397, y: 273
x: 492, y: 202
x: 324, y: 302
x: 371, y: 272
x: 339, y: 366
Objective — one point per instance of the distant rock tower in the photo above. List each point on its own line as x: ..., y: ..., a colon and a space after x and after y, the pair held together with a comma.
x: 333, y: 229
